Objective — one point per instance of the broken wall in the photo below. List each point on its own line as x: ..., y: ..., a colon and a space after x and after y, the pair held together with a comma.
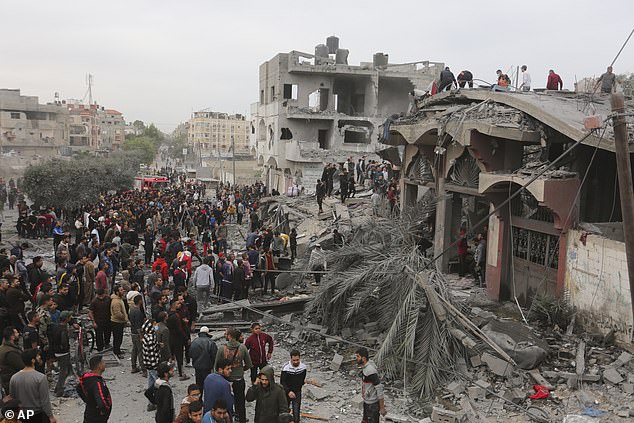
x: 393, y: 96
x: 598, y: 282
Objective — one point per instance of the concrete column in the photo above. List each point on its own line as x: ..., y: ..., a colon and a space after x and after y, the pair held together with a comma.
x: 442, y: 235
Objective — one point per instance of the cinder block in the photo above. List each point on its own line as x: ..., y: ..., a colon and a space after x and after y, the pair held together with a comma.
x: 440, y: 415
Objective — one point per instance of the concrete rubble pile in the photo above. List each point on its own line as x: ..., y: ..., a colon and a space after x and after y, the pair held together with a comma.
x: 502, y: 362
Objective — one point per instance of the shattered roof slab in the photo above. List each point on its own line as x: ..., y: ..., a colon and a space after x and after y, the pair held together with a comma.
x: 563, y: 113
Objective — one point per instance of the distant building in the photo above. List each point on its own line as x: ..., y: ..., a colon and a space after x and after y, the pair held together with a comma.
x: 211, y: 133
x: 95, y: 127
x: 316, y: 108
x: 30, y: 128
x: 112, y: 128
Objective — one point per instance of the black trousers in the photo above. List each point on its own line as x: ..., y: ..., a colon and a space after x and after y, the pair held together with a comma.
x: 269, y: 279
x: 239, y: 400
x: 102, y: 333
x: 178, y: 349
x: 117, y: 337
x: 201, y: 375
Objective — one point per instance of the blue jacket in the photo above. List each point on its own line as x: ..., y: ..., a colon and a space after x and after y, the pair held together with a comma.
x: 217, y: 387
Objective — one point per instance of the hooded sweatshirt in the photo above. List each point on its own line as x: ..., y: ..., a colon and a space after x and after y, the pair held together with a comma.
x: 151, y: 352
x: 270, y: 402
x: 93, y: 391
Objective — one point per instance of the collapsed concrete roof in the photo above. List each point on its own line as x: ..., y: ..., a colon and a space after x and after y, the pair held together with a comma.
x: 516, y: 116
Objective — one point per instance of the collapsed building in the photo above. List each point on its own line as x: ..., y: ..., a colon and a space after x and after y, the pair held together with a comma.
x: 562, y: 235
x: 316, y: 108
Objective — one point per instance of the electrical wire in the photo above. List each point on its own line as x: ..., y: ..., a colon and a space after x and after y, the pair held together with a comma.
x: 578, y: 193
x: 485, y: 219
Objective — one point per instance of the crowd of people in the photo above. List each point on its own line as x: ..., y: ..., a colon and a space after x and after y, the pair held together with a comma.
x: 380, y: 177
x: 130, y: 261
x: 606, y: 82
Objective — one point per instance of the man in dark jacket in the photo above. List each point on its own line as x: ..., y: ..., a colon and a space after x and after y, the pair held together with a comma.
x: 178, y: 335
x: 93, y: 391
x: 292, y: 380
x: 164, y: 396
x: 269, y: 397
x: 99, y: 313
x: 10, y: 356
x: 61, y: 348
x: 137, y: 317
x: 203, y: 354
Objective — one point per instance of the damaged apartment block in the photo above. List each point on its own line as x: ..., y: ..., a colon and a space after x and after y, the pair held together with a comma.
x: 316, y: 108
x: 561, y: 237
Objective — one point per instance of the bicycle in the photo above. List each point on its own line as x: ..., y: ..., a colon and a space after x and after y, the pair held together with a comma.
x: 85, y: 344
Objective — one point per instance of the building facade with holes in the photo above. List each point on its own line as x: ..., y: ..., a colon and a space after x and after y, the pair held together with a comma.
x: 474, y: 149
x: 316, y: 108
x: 29, y: 128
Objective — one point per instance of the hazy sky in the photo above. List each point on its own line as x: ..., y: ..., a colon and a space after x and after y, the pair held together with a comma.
x: 159, y: 60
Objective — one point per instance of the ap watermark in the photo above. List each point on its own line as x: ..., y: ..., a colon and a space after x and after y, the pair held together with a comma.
x: 22, y: 415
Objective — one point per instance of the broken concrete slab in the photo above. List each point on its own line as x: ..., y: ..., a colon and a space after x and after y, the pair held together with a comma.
x: 514, y: 395
x: 475, y: 361
x: 527, y: 350
x: 476, y: 393
x: 612, y: 375
x: 456, y: 388
x: 315, y: 393
x: 497, y: 365
x: 346, y: 333
x: 336, y: 362
x: 623, y: 359
x: 391, y: 417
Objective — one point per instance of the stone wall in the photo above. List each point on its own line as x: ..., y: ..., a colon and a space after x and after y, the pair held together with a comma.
x: 597, y: 279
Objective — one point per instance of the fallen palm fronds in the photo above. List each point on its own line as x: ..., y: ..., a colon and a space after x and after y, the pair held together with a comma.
x: 370, y: 281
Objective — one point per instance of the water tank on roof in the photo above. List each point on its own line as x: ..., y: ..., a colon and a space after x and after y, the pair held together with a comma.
x: 333, y: 44
x: 321, y: 50
x: 341, y: 57
x: 380, y: 60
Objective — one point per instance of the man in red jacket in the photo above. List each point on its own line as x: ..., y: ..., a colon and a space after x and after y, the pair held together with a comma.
x: 554, y: 81
x: 161, y: 264
x: 256, y: 344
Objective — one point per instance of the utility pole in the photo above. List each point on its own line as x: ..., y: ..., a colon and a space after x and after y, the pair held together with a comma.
x: 233, y: 159
x: 624, y: 169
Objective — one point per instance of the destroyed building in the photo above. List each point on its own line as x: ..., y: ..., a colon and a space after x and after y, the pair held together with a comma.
x: 561, y: 236
x: 316, y: 108
x: 30, y: 128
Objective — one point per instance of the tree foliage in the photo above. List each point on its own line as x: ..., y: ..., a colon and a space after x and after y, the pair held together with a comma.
x: 70, y: 184
x: 147, y: 144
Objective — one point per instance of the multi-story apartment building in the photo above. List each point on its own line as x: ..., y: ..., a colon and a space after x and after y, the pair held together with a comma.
x: 112, y: 128
x: 30, y: 128
x: 316, y: 108
x: 211, y: 133
x: 95, y: 127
